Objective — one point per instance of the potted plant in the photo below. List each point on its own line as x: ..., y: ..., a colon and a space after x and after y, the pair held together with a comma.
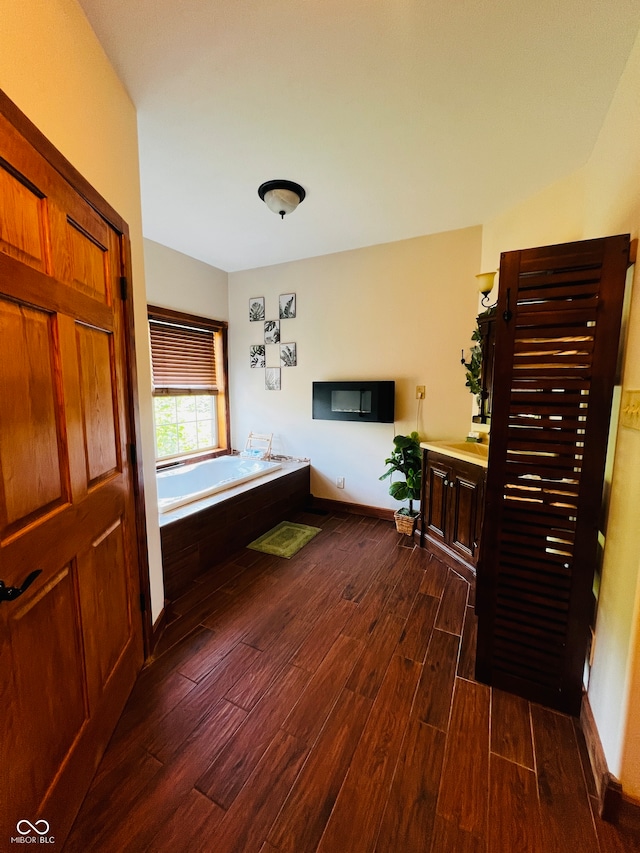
x: 406, y: 459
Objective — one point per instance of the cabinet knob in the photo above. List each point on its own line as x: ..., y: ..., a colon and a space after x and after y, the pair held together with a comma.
x: 451, y: 484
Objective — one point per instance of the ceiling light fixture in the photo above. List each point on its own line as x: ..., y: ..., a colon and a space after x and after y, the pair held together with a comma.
x: 281, y: 196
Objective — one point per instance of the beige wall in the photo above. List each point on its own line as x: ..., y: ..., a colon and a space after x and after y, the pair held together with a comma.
x: 399, y: 311
x: 602, y: 199
x: 177, y: 281
x: 54, y: 69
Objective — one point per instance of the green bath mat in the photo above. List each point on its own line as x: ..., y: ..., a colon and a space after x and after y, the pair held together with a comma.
x: 285, y: 539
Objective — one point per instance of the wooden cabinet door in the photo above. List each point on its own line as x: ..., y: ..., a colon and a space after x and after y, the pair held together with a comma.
x: 557, y: 334
x: 436, y: 496
x: 465, y: 509
x: 71, y: 644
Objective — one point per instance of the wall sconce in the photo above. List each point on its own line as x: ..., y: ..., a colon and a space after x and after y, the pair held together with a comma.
x: 485, y: 286
x: 281, y: 197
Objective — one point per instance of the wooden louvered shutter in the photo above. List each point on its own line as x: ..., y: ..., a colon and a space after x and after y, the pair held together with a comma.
x: 559, y: 313
x: 183, y: 358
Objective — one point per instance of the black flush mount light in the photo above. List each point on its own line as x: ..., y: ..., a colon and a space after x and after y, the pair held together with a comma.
x: 281, y: 197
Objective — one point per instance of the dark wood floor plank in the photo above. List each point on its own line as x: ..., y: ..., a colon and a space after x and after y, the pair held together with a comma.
x: 323, y: 634
x: 165, y: 739
x: 467, y: 661
x: 227, y: 774
x: 247, y: 822
x: 206, y: 584
x: 404, y: 593
x: 190, y: 827
x: 94, y: 820
x: 511, y: 728
x: 416, y: 634
x: 309, y: 714
x: 145, y: 710
x: 165, y: 661
x: 433, y: 697
x: 564, y: 803
x: 434, y: 577
x: 514, y: 811
x: 207, y: 607
x: 449, y: 838
x: 306, y: 811
x: 356, y: 816
x: 463, y: 798
x: 369, y: 670
x: 258, y: 677
x: 227, y: 623
x: 375, y: 599
x: 307, y: 762
x: 407, y: 822
x: 453, y: 604
x: 167, y: 790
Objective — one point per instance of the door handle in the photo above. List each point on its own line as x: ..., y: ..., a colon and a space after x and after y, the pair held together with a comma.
x: 9, y: 593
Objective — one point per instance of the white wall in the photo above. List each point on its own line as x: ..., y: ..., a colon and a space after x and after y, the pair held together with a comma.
x: 53, y: 67
x: 399, y: 311
x: 177, y: 281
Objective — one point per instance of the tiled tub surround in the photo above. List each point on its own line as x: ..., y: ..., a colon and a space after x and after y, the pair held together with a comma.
x: 199, y: 535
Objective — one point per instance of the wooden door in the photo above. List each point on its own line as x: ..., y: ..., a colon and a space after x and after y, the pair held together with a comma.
x: 71, y: 644
x: 557, y: 333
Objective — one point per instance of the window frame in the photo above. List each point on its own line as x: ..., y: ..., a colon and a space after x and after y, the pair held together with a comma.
x: 220, y: 331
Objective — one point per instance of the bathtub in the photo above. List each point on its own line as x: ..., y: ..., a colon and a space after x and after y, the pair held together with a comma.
x: 187, y: 483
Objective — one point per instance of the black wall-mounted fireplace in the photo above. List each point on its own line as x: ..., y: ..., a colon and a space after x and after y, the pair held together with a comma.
x: 371, y: 402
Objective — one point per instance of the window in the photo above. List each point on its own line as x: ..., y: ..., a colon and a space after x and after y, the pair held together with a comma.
x: 188, y: 361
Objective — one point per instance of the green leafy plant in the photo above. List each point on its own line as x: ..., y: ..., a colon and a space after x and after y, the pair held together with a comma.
x: 406, y: 459
x: 473, y: 367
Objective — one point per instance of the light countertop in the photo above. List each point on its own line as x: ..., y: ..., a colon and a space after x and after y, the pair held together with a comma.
x: 465, y: 451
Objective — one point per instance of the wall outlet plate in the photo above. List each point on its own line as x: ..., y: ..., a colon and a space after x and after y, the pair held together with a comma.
x: 420, y: 392
x: 630, y: 409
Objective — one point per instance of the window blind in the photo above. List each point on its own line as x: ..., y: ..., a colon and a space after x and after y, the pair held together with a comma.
x: 182, y: 358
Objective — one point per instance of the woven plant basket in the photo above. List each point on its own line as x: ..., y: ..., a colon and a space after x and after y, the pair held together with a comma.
x: 405, y: 523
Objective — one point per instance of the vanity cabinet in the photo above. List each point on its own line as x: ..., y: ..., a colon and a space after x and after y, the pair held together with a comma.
x: 452, y: 501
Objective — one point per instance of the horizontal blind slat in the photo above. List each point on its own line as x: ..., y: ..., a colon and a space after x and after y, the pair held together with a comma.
x: 182, y: 358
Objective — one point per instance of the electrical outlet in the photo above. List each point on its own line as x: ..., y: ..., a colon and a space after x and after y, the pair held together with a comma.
x: 630, y: 409
x: 340, y: 482
x: 420, y: 389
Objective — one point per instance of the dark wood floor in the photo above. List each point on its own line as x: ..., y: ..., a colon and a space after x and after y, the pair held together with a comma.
x: 327, y: 703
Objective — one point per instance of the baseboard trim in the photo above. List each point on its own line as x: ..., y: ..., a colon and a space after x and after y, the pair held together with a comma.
x: 614, y: 805
x: 352, y: 509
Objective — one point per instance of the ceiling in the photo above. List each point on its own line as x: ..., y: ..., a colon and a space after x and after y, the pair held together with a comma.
x: 398, y: 117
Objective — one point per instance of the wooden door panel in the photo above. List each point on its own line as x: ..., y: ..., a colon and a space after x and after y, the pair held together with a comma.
x: 105, y: 605
x: 88, y: 261
x: 50, y: 681
x: 32, y: 458
x: 437, y: 497
x: 463, y: 523
x: 95, y: 358
x: 22, y: 224
x: 71, y: 644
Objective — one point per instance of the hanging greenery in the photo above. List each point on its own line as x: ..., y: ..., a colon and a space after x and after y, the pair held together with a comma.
x: 473, y: 367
